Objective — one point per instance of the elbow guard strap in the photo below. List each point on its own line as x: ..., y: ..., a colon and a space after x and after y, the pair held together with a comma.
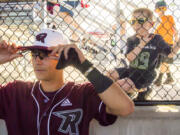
x: 99, y: 81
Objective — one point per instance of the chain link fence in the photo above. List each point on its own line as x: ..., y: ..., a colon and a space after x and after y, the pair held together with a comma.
x: 100, y: 28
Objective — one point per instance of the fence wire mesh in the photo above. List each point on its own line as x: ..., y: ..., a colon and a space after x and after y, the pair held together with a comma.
x: 100, y: 28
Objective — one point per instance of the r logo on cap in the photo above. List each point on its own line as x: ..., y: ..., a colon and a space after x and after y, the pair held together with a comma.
x: 41, y: 37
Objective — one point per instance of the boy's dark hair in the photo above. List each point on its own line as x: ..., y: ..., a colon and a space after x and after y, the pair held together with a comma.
x: 144, y: 10
x: 161, y: 3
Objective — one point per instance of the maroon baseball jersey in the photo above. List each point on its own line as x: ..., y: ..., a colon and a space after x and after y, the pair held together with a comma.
x: 28, y: 110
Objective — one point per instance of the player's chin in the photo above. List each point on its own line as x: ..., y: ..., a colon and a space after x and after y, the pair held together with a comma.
x: 40, y: 76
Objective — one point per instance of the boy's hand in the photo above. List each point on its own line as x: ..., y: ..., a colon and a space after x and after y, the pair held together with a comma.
x: 171, y: 55
x: 144, y: 40
x: 8, y: 52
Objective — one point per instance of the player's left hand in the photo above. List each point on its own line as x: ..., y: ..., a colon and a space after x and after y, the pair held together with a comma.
x: 67, y: 55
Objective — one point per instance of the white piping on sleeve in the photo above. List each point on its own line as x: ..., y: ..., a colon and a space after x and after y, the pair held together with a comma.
x: 38, y: 128
x: 100, y: 105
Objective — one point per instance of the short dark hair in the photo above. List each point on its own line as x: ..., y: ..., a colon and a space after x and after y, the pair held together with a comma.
x: 161, y: 3
x: 144, y: 10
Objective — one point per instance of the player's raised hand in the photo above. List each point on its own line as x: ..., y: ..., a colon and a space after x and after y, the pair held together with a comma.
x: 8, y: 52
x: 58, y: 50
x: 68, y: 54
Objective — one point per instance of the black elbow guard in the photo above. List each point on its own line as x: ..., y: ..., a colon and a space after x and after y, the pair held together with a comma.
x: 99, y: 81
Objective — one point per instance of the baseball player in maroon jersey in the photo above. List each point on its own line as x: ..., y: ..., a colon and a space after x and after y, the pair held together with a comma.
x: 51, y: 106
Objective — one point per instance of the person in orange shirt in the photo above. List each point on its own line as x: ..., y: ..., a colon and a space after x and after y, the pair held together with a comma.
x: 167, y: 30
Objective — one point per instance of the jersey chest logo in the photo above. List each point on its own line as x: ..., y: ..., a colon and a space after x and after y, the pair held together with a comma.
x: 70, y: 121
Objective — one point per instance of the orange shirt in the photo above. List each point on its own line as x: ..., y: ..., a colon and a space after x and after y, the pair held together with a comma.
x: 165, y: 28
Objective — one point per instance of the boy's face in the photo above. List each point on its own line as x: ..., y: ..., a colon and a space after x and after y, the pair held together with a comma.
x: 160, y: 12
x: 141, y: 23
x: 44, y: 67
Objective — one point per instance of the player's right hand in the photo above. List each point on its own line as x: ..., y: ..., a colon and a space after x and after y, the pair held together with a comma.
x: 127, y: 85
x: 8, y: 52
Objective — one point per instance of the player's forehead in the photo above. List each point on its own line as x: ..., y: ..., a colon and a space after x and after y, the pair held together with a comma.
x: 140, y: 15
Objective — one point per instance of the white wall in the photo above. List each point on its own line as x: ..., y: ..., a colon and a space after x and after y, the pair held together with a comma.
x: 3, y: 130
x: 159, y: 120
x: 162, y: 120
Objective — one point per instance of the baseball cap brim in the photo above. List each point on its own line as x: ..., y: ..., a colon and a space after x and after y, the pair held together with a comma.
x: 30, y: 48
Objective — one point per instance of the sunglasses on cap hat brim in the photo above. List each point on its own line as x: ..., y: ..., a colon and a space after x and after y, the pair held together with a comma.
x: 40, y: 53
x: 138, y: 20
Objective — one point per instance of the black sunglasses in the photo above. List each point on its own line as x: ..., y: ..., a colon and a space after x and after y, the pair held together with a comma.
x: 40, y: 53
x: 139, y: 20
